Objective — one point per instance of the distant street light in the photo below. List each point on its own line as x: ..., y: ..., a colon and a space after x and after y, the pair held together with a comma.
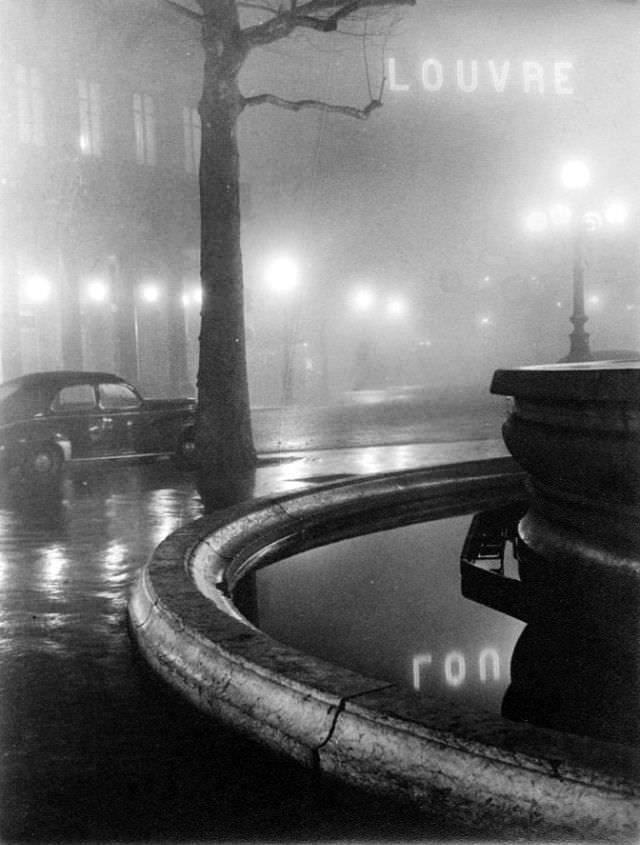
x: 97, y: 291
x: 149, y: 293
x: 363, y: 300
x: 575, y: 176
x: 396, y: 308
x: 38, y: 290
x: 281, y: 275
x: 616, y: 213
x: 192, y: 297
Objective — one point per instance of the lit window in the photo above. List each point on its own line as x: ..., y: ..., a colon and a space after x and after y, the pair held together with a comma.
x: 144, y: 124
x: 30, y: 106
x: 192, y: 138
x: 90, y: 118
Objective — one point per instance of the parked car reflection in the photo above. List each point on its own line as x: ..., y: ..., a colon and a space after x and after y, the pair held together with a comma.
x: 50, y: 420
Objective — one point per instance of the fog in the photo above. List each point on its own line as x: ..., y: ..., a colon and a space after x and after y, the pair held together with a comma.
x: 413, y: 264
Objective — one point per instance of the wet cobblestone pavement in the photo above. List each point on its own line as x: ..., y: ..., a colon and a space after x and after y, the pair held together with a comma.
x: 92, y: 748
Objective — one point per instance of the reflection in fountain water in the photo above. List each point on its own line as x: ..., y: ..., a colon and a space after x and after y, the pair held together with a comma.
x: 388, y: 605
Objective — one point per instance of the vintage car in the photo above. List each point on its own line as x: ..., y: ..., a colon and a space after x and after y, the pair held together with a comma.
x: 55, y: 419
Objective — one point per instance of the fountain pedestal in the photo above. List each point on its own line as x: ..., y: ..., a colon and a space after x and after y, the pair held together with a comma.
x: 575, y: 430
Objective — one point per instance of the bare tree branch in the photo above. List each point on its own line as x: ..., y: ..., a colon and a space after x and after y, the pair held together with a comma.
x: 298, y: 105
x: 311, y: 16
x: 182, y: 10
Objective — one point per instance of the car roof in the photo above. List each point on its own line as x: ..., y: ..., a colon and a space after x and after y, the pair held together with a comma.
x: 54, y: 377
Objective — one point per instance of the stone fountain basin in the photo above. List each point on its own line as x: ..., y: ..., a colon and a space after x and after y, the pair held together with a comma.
x: 453, y: 762
x: 575, y: 429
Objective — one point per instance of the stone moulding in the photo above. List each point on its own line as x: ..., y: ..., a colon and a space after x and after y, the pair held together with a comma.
x: 453, y: 762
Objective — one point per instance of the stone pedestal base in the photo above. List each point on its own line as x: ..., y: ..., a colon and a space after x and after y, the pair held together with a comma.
x: 575, y: 429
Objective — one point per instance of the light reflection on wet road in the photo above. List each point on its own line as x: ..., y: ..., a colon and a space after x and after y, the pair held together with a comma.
x: 92, y: 748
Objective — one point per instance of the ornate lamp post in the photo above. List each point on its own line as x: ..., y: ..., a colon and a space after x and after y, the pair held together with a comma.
x: 575, y: 177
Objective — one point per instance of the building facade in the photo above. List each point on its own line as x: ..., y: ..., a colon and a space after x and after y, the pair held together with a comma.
x: 99, y: 147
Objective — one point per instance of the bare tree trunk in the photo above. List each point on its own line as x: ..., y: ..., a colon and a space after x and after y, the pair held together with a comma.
x: 223, y: 430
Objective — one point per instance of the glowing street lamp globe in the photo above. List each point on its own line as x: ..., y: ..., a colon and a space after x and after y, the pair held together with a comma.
x: 536, y: 221
x: 575, y: 175
x: 97, y: 291
x: 616, y: 213
x: 192, y: 297
x: 38, y: 289
x: 150, y: 293
x: 363, y: 300
x: 282, y: 275
x: 396, y: 308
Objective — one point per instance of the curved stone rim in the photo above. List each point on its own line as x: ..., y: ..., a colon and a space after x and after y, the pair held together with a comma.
x: 452, y: 761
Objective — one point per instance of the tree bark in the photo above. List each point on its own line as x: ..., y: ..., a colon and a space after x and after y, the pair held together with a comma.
x: 223, y: 427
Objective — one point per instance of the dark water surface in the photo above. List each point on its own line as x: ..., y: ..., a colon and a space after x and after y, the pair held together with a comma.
x: 389, y: 606
x: 92, y: 748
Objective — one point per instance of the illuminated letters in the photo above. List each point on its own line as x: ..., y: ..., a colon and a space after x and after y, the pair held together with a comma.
x: 419, y: 661
x: 455, y: 658
x: 560, y: 72
x: 532, y: 73
x: 455, y: 667
x: 499, y: 79
x: 489, y: 654
x: 472, y: 76
x: 463, y: 85
x: 432, y: 81
x: 394, y: 85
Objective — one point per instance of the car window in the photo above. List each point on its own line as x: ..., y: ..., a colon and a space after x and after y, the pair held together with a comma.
x: 74, y: 397
x: 117, y: 397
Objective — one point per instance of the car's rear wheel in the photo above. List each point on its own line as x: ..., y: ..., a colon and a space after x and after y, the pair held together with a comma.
x: 44, y: 463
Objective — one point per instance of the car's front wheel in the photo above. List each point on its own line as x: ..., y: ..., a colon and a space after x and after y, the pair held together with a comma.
x: 44, y: 463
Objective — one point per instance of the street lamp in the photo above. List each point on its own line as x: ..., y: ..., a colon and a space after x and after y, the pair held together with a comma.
x: 37, y: 290
x: 363, y: 300
x: 97, y: 291
x: 281, y: 274
x: 149, y: 293
x: 396, y: 308
x: 575, y: 177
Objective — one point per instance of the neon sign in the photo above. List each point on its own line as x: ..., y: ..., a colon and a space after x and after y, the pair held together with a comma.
x: 471, y: 76
x: 455, y: 667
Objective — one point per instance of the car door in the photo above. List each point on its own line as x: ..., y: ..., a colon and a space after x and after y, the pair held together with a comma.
x: 75, y: 410
x: 123, y: 418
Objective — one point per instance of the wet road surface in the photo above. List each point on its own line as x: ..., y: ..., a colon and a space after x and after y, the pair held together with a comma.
x: 93, y: 748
